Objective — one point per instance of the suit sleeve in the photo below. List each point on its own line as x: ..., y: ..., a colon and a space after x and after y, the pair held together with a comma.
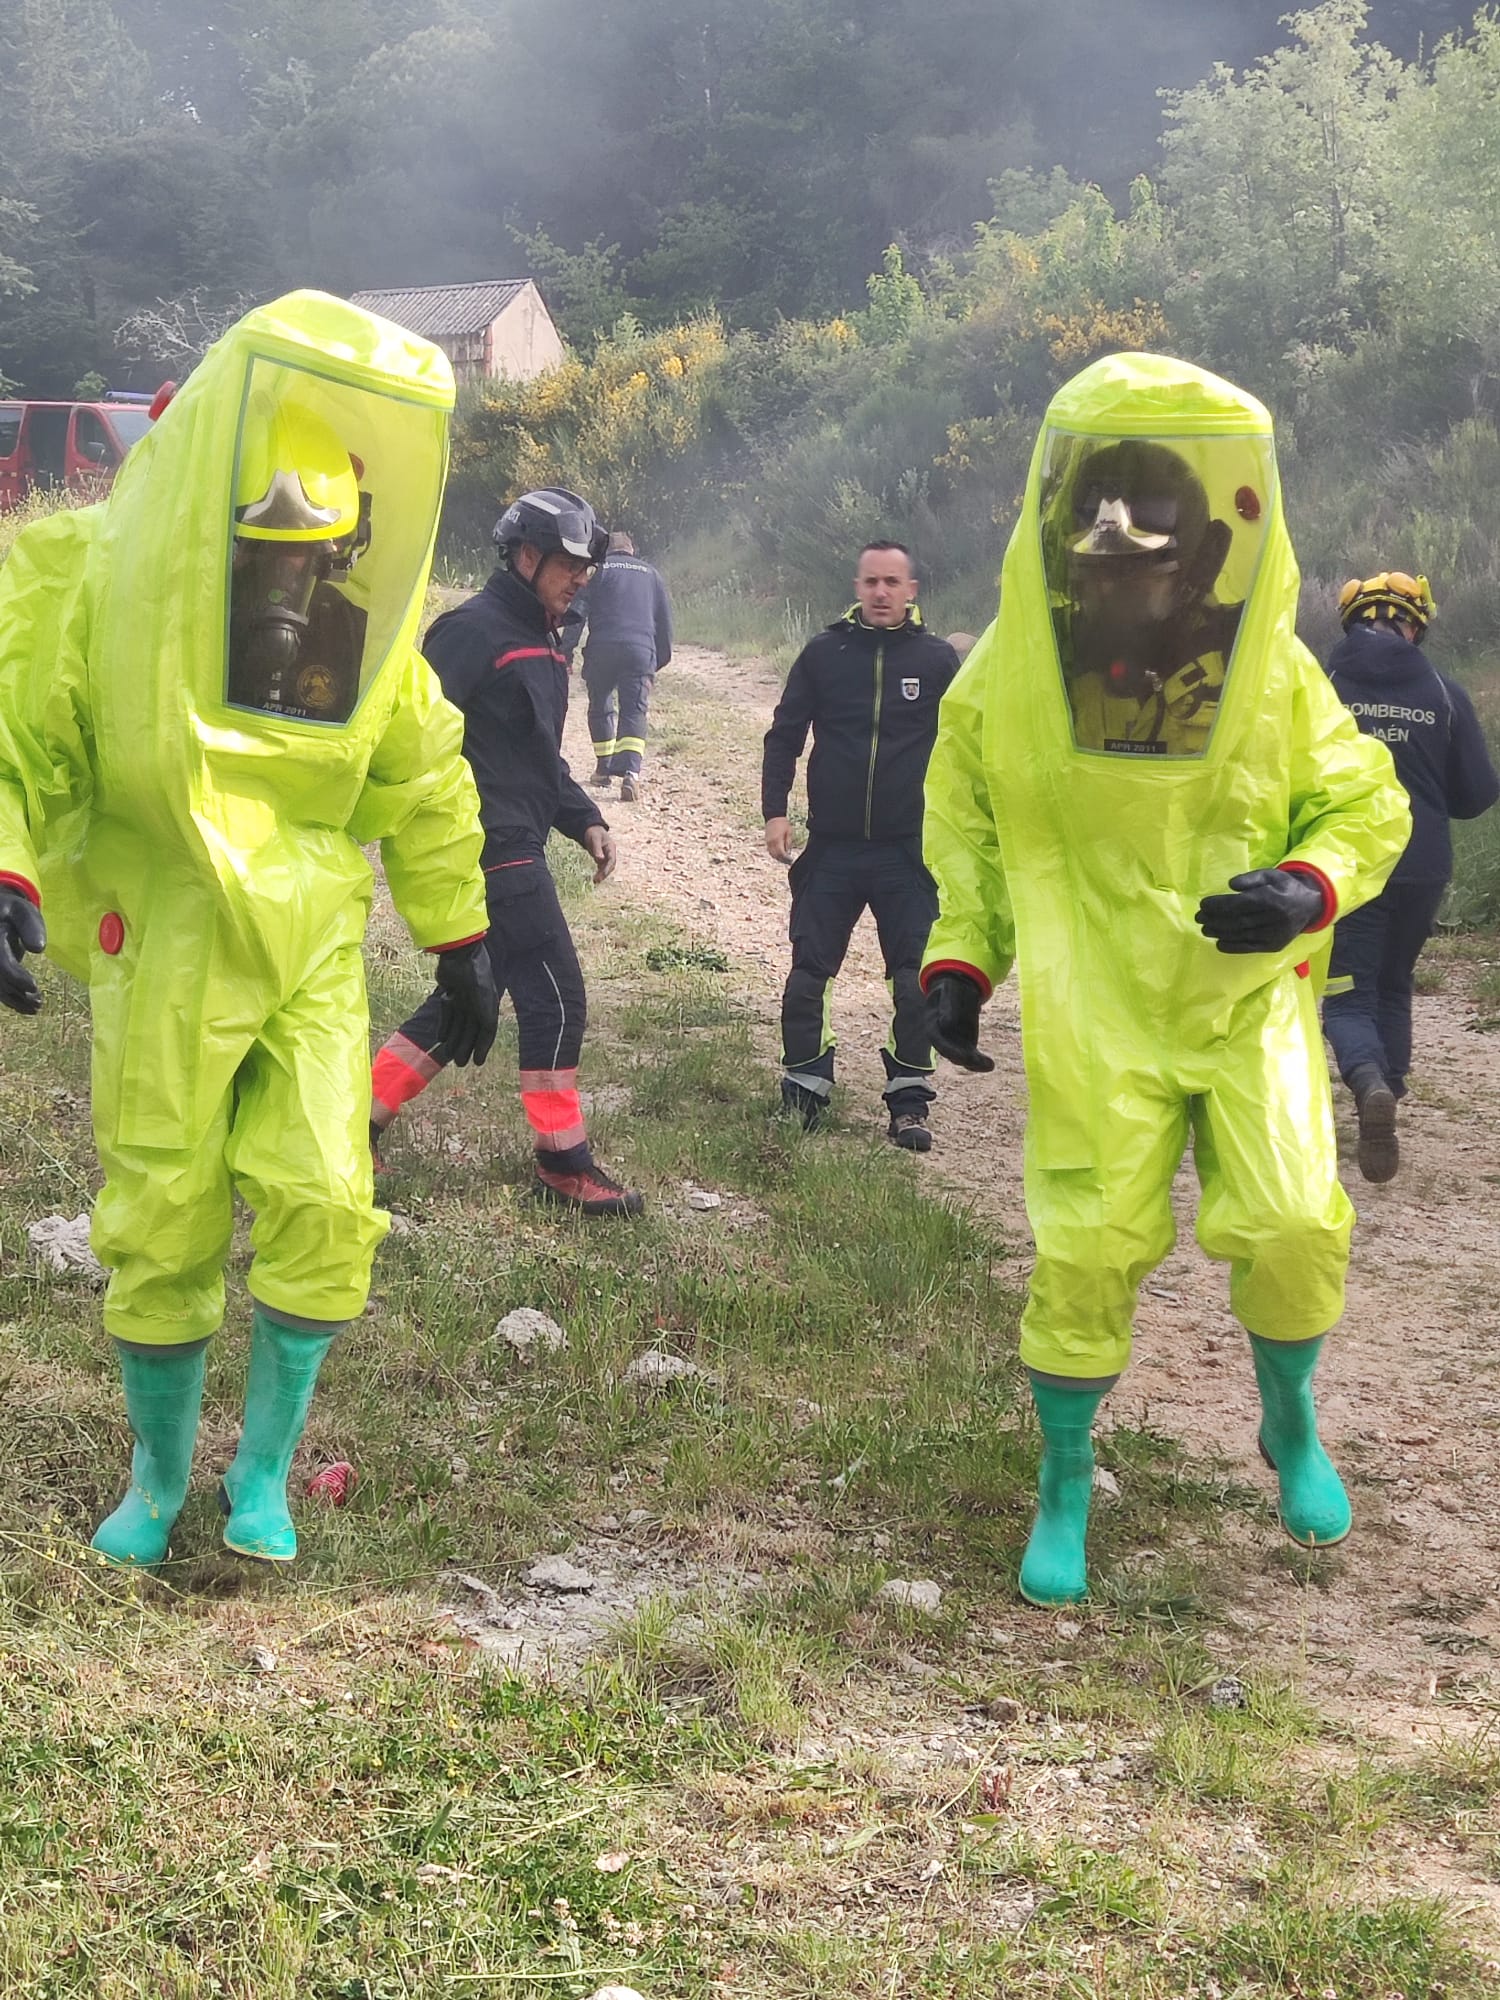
x: 785, y: 740
x: 419, y: 802
x: 46, y: 764
x: 1350, y: 818
x: 975, y: 929
x: 1470, y: 781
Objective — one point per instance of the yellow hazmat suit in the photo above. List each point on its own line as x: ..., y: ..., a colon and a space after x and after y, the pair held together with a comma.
x: 1084, y: 795
x: 199, y: 865
x: 211, y: 699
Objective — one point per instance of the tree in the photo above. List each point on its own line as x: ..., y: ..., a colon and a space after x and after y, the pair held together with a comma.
x: 1441, y: 193
x: 1278, y: 201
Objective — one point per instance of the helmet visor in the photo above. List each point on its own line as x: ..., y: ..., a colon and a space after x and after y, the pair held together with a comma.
x: 1150, y: 547
x: 333, y: 508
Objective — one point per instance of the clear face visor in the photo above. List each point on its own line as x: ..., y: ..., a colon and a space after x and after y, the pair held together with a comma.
x: 1150, y: 547
x: 333, y: 506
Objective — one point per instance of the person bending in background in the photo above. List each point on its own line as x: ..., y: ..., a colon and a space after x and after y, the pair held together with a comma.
x: 629, y: 641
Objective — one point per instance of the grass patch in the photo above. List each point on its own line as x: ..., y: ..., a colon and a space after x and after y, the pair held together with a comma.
x: 768, y: 1779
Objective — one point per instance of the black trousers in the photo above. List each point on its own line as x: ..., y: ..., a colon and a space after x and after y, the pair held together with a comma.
x: 619, y: 680
x: 833, y: 883
x: 1367, y: 1004
x: 533, y: 960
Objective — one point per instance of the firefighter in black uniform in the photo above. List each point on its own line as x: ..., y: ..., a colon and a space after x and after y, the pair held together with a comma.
x: 629, y: 642
x: 868, y: 687
x: 500, y: 661
x: 1394, y: 692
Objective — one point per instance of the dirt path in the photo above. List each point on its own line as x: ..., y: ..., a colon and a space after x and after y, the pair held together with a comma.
x: 1406, y: 1629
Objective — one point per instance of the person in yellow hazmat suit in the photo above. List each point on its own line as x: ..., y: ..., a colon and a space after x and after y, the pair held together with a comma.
x: 1143, y: 794
x: 210, y: 698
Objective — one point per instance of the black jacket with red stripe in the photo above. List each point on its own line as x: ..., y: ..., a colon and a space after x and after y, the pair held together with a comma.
x: 505, y: 670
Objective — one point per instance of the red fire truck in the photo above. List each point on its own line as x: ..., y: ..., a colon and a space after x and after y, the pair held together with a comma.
x: 78, y: 445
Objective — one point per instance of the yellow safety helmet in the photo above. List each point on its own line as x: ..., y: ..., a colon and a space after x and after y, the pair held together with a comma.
x: 1391, y: 594
x: 295, y: 481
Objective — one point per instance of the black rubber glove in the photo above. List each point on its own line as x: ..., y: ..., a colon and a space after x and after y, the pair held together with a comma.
x: 21, y: 930
x: 471, y: 1006
x: 1269, y: 907
x: 953, y: 1004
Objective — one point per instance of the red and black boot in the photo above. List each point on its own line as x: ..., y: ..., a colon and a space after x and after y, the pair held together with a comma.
x: 573, y: 1179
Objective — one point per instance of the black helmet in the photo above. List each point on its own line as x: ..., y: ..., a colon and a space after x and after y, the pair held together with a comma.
x: 555, y: 521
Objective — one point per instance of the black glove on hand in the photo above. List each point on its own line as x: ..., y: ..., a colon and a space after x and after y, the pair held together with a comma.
x: 1269, y: 907
x: 470, y: 1007
x: 21, y: 930
x: 953, y: 1004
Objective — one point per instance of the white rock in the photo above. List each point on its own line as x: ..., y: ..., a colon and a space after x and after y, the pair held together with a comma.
x: 1105, y: 1482
x: 531, y: 1332
x: 654, y: 1369
x: 557, y: 1573
x: 262, y: 1659
x: 615, y: 1993
x: 704, y: 1198
x: 924, y: 1596
x: 62, y: 1243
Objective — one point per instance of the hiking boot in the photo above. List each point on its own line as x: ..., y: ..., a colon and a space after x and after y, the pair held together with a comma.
x: 602, y: 779
x: 587, y: 1191
x: 806, y: 1106
x: 630, y: 789
x: 1375, y: 1105
x: 910, y: 1131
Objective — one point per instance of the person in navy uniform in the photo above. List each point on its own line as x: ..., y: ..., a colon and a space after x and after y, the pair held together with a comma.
x: 629, y: 642
x: 1394, y: 692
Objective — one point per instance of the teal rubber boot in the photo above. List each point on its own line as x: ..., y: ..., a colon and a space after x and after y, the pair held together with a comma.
x: 284, y: 1364
x: 1054, y: 1568
x: 1314, y: 1505
x: 163, y: 1395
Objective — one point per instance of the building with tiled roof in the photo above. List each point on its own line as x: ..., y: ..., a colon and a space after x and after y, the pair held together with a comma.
x: 498, y: 326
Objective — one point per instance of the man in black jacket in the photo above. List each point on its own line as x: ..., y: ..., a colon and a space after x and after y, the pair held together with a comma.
x: 499, y: 658
x: 868, y: 687
x: 629, y: 642
x: 1392, y: 690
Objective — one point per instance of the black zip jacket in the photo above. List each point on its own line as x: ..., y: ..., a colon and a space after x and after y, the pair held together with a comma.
x: 505, y: 670
x: 1394, y: 692
x: 871, y: 700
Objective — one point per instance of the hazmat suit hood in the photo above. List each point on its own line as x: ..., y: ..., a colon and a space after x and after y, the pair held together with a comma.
x: 1149, y: 726
x: 192, y: 809
x: 132, y: 600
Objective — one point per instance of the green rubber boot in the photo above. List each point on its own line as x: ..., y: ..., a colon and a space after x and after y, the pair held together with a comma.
x: 284, y: 1364
x: 1314, y: 1505
x: 1053, y: 1569
x: 163, y: 1395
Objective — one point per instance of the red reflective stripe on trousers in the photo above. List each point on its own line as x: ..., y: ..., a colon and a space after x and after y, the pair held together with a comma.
x: 402, y: 1071
x: 553, y: 1111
